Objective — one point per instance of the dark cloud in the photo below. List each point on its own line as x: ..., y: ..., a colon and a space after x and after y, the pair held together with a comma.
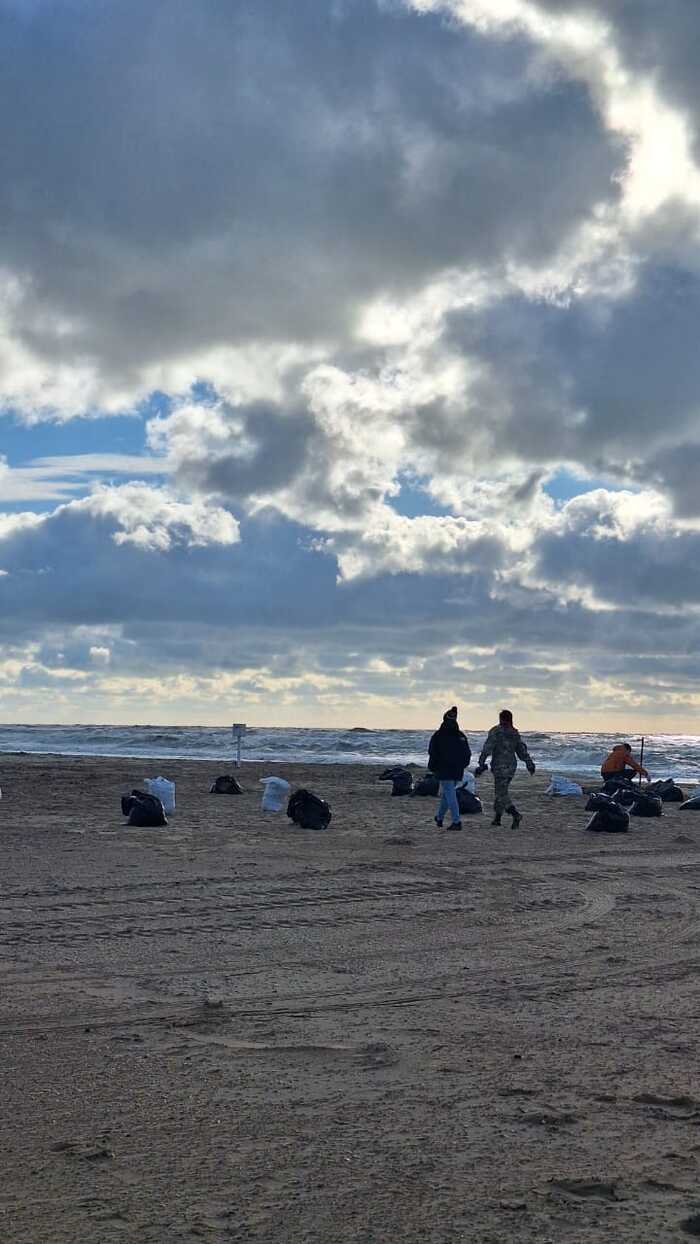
x: 194, y: 173
x: 600, y: 382
x: 271, y: 604
x: 657, y: 43
x: 675, y: 470
x: 70, y: 570
x: 180, y: 175
x: 231, y: 452
x: 645, y: 562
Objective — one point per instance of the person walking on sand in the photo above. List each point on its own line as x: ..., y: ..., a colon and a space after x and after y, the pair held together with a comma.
x: 505, y: 746
x: 449, y: 754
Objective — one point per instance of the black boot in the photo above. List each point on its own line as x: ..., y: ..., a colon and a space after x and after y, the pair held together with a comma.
x: 496, y: 818
x: 517, y: 817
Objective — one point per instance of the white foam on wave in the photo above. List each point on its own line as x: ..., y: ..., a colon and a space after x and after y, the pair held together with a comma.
x: 568, y: 753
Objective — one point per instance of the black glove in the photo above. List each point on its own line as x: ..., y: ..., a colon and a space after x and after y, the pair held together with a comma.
x: 531, y: 768
x: 479, y: 770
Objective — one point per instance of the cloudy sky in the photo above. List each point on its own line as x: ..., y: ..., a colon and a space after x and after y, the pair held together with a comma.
x: 349, y: 361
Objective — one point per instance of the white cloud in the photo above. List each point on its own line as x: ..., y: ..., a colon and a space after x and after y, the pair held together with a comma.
x: 10, y: 524
x: 467, y: 254
x: 393, y: 544
x: 60, y: 477
x: 300, y: 218
x: 153, y: 519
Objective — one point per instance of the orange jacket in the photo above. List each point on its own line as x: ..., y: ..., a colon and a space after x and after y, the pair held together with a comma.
x: 617, y: 759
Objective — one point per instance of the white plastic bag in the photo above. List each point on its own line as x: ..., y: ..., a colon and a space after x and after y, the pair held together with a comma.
x: 563, y: 786
x: 468, y: 782
x: 275, y: 794
x: 163, y: 790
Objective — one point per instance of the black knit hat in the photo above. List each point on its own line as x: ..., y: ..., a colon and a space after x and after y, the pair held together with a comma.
x: 451, y: 714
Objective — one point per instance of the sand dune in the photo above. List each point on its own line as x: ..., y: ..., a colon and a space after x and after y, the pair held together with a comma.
x: 231, y: 1029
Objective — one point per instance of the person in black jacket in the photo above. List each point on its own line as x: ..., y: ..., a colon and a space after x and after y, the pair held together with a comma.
x: 449, y: 754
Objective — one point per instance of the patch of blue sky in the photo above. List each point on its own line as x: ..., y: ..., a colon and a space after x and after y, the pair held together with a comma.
x: 563, y: 485
x: 53, y: 461
x: 203, y: 391
x: 22, y: 443
x: 414, y: 501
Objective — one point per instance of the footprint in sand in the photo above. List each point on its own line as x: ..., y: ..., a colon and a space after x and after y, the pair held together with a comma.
x: 681, y: 1102
x: 544, y: 1118
x: 605, y: 1190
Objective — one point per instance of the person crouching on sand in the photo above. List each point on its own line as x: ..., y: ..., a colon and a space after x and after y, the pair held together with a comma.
x: 505, y: 746
x: 620, y: 763
x: 449, y: 754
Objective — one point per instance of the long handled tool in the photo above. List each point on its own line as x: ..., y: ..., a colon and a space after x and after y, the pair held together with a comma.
x: 641, y: 759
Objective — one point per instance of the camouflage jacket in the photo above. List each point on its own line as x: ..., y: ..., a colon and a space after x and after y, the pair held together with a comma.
x: 504, y: 745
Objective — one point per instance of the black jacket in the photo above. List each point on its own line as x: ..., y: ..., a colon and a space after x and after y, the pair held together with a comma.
x: 449, y: 752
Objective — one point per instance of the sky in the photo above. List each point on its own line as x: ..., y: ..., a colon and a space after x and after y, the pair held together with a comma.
x: 349, y: 362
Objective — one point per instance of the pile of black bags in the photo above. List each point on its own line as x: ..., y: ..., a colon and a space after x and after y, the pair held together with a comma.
x: 666, y: 790
x: 638, y: 801
x: 143, y: 810
x: 429, y: 786
x: 308, y: 810
x: 608, y: 816
x: 645, y: 801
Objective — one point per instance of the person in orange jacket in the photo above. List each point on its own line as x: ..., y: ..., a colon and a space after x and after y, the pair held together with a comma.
x: 620, y: 763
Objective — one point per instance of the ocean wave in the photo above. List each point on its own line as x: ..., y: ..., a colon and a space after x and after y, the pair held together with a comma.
x: 574, y: 752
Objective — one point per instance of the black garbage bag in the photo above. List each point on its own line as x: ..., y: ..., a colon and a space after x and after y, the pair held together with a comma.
x: 672, y: 794
x: 308, y: 811
x: 143, y: 810
x: 646, y: 805
x: 611, y: 785
x: 691, y: 805
x: 225, y: 785
x: 402, y: 783
x: 639, y: 802
x: 389, y: 774
x: 608, y: 817
x: 626, y: 796
x: 666, y: 790
x: 599, y: 799
x: 427, y: 785
x: 468, y: 803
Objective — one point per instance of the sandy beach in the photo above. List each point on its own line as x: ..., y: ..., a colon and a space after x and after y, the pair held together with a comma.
x: 231, y: 1029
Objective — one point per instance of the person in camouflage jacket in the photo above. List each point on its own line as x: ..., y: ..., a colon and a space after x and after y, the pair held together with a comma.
x: 505, y: 747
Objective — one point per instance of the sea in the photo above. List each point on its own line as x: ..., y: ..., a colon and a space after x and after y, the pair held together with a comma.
x: 665, y: 755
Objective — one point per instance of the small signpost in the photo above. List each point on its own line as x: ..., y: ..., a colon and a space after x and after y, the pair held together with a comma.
x: 238, y: 729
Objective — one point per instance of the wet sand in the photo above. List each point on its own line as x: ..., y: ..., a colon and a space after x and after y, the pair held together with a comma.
x: 232, y: 1029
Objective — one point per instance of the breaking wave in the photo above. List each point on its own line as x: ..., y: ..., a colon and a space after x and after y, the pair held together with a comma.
x: 665, y: 754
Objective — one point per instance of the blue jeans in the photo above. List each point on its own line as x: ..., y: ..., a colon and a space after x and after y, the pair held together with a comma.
x: 448, y: 799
